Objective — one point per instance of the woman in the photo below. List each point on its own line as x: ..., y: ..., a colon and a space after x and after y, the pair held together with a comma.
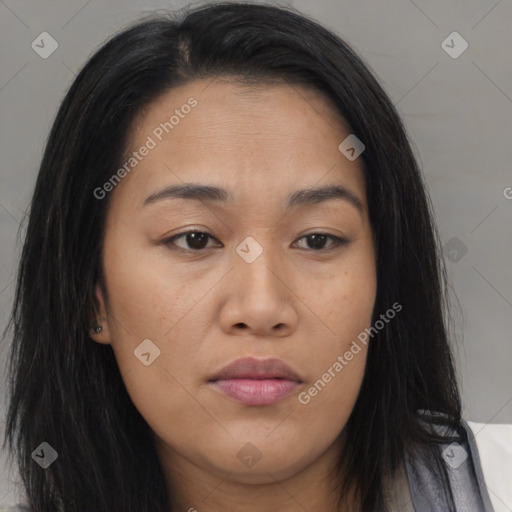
x: 230, y: 295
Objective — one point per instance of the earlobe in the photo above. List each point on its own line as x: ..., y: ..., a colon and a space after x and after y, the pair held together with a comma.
x: 99, y: 331
x: 98, y: 334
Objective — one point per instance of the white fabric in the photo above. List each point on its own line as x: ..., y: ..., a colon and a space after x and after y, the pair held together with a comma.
x: 494, y: 444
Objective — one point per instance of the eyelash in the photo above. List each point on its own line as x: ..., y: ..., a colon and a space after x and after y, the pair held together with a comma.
x: 337, y: 241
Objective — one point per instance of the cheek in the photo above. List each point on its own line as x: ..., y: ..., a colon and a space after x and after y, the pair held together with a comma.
x: 147, y: 294
x: 146, y: 307
x: 333, y: 392
x: 146, y: 302
x: 151, y: 299
x: 343, y: 302
x: 338, y: 343
x: 337, y: 362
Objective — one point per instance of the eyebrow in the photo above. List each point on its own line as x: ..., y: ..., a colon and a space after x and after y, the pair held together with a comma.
x: 208, y: 193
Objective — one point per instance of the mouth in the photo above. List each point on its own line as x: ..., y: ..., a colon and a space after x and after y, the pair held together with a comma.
x: 256, y: 382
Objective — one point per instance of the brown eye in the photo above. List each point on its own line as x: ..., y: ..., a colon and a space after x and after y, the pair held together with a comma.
x: 317, y: 241
x: 194, y: 240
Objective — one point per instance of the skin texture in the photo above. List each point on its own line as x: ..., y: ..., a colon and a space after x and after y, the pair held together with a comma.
x: 207, y: 308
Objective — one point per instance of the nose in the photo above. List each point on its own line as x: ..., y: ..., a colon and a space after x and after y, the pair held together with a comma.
x: 259, y: 298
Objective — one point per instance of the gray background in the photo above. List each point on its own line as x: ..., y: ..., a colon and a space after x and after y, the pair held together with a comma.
x: 458, y: 112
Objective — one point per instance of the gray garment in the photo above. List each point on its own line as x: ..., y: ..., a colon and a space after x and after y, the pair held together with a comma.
x: 444, y: 477
x: 398, y: 494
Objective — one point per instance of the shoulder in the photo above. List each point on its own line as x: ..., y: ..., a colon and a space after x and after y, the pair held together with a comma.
x: 14, y: 508
x: 494, y: 446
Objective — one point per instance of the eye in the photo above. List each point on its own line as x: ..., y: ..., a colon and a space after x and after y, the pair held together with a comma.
x: 317, y: 241
x: 196, y: 240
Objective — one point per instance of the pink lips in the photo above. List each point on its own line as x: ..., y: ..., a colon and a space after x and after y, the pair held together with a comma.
x: 254, y: 381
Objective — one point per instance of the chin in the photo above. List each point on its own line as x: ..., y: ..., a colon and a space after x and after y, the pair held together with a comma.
x: 263, y: 461
x: 267, y: 472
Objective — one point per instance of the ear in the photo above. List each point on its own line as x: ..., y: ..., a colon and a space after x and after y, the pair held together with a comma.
x: 103, y: 335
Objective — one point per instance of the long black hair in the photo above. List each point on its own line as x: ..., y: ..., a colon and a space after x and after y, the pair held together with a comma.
x: 66, y: 390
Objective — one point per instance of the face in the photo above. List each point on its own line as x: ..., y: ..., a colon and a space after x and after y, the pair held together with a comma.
x: 264, y: 277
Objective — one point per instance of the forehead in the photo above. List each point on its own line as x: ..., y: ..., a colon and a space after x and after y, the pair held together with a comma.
x: 236, y: 96
x: 260, y: 139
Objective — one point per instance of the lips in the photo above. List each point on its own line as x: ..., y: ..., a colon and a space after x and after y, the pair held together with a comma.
x: 252, y: 381
x: 252, y: 368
